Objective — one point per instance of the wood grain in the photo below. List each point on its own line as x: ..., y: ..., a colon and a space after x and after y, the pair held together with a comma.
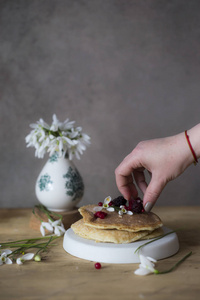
x: 62, y: 276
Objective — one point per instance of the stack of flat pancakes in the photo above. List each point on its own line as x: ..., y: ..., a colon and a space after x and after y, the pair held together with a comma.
x: 115, y: 228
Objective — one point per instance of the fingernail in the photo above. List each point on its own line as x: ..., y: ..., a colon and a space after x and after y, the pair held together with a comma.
x: 148, y: 206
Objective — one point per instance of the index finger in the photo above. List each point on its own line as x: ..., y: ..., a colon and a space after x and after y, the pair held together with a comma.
x: 124, y: 180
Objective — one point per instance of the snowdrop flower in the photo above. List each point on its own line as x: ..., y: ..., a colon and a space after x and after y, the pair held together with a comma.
x: 146, y: 265
x: 60, y: 137
x: 105, y: 205
x: 22, y: 259
x: 3, y: 257
x: 58, y: 227
x: 47, y: 226
x: 123, y: 210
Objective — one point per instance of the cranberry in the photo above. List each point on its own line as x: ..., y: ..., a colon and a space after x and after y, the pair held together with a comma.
x: 110, y: 203
x: 100, y: 203
x: 136, y: 205
x: 100, y: 214
x: 97, y: 266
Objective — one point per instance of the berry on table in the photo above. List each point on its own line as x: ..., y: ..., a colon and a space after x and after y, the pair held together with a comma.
x: 97, y: 266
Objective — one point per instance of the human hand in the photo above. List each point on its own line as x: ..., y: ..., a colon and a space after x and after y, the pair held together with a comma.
x: 164, y: 159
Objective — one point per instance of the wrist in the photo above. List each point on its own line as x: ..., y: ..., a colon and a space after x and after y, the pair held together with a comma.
x: 194, y: 138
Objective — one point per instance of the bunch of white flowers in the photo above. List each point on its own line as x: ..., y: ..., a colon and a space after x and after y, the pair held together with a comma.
x: 60, y: 137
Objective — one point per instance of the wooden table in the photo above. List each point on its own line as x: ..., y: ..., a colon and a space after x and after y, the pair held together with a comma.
x: 62, y: 276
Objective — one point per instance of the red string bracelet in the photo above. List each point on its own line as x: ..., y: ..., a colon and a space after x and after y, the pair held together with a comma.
x: 192, y: 150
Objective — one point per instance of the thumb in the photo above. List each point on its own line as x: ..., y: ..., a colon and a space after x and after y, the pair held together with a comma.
x: 152, y: 193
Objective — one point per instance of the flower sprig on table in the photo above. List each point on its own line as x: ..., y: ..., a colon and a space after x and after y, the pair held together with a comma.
x: 147, y: 264
x: 20, y: 254
x: 53, y: 226
x: 61, y: 137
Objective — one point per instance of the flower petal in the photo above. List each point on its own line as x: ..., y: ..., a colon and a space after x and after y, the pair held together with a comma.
x: 110, y: 209
x: 42, y: 230
x: 47, y: 226
x: 98, y: 208
x: 8, y: 261
x: 28, y: 256
x: 147, y: 264
x: 57, y: 231
x: 6, y: 251
x: 18, y: 261
x: 56, y: 223
x: 142, y: 271
x: 107, y: 200
x: 151, y: 259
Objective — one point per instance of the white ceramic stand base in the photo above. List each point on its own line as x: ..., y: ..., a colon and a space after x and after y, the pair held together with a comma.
x: 119, y: 253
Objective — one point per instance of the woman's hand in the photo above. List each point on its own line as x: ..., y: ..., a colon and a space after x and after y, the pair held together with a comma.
x: 165, y: 159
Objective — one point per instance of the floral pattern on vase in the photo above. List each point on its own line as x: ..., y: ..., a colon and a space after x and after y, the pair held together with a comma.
x: 45, y: 182
x: 59, y: 186
x: 74, y: 184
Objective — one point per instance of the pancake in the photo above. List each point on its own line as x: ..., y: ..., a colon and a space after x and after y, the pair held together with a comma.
x: 106, y: 235
x: 112, y: 235
x: 133, y: 223
x: 152, y: 235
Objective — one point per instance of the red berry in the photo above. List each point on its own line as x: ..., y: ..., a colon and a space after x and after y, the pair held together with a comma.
x: 100, y: 214
x: 110, y: 203
x: 100, y: 203
x: 97, y: 266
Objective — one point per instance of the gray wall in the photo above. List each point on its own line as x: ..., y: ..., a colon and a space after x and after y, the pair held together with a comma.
x: 123, y: 70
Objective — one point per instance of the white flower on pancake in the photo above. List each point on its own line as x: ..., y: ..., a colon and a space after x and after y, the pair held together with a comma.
x: 105, y: 205
x: 123, y: 210
x: 146, y: 265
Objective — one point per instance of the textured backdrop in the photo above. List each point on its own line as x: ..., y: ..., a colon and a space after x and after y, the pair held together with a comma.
x: 123, y: 70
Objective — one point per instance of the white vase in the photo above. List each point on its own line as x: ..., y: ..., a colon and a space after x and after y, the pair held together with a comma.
x: 59, y: 185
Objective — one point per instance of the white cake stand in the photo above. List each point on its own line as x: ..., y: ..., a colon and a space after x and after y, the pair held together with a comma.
x: 119, y: 253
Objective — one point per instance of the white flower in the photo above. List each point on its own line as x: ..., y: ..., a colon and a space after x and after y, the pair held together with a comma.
x: 146, y: 265
x: 105, y: 205
x: 58, y: 227
x: 123, y: 210
x: 22, y: 259
x: 47, y: 226
x: 3, y: 257
x: 60, y: 137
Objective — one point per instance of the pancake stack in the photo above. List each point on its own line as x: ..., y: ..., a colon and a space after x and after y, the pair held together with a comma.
x: 115, y: 228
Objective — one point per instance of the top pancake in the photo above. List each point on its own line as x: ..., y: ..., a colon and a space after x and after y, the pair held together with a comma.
x: 133, y: 223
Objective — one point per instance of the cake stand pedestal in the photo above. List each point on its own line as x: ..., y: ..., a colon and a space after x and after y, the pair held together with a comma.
x: 119, y: 253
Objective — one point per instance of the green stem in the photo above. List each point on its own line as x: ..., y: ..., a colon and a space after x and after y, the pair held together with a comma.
x: 45, y: 210
x: 175, y: 266
x: 158, y: 238
x: 46, y: 245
